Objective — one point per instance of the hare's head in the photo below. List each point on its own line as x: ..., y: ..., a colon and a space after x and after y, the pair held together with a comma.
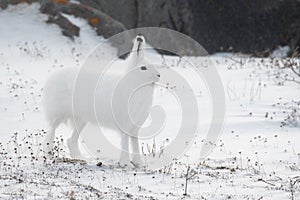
x: 138, y: 65
x: 143, y: 74
x: 148, y: 72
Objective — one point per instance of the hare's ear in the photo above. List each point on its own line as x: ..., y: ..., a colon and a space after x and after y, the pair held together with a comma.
x: 138, y: 42
x: 136, y: 56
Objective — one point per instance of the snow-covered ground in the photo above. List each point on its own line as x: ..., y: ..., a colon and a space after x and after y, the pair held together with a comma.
x: 256, y: 157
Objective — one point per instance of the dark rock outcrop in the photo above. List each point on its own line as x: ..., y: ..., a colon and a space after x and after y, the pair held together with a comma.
x: 125, y: 11
x: 244, y: 26
x: 248, y: 26
x: 5, y: 3
x: 103, y: 24
x: 68, y: 29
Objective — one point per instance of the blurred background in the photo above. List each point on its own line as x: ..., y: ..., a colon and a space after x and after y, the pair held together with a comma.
x: 248, y: 26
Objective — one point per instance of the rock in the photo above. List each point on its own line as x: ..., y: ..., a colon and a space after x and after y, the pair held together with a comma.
x: 5, y: 3
x: 103, y: 24
x: 243, y: 26
x: 294, y: 39
x: 124, y: 11
x: 68, y: 29
x: 255, y: 26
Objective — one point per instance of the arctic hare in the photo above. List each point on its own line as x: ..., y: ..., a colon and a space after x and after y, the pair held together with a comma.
x: 110, y: 107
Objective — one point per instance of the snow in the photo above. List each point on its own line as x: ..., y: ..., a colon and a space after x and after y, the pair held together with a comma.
x: 255, y: 157
x: 281, y: 52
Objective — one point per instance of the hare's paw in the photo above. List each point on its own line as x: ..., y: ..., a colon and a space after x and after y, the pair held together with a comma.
x: 77, y: 155
x: 74, y: 150
x: 124, y: 161
x: 137, y: 162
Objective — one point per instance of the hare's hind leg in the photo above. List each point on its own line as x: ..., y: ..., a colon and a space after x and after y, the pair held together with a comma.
x: 73, y: 140
x: 50, y: 135
x: 124, y: 157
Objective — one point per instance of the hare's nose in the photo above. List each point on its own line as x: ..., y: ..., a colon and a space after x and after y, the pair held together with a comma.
x: 158, y: 75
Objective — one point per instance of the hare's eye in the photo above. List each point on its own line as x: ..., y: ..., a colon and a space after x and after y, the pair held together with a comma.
x: 143, y: 68
x: 139, y: 39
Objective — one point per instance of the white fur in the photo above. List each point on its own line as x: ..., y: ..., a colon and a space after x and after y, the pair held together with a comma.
x: 58, y: 93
